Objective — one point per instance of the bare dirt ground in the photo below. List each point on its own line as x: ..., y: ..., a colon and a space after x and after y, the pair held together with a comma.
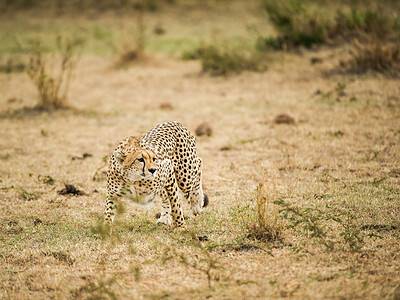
x: 341, y: 155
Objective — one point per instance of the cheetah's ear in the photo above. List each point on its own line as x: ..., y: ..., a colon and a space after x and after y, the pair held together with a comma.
x: 134, y: 141
x: 129, y: 152
x: 119, y: 156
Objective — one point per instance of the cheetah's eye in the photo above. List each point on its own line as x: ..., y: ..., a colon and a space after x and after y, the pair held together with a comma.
x: 141, y: 159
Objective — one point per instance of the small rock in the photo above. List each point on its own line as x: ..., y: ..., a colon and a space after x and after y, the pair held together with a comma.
x: 14, y: 100
x: 70, y: 189
x: 203, y: 129
x: 159, y: 30
x: 284, y: 119
x: 225, y: 148
x: 166, y: 106
x: 44, y: 133
x: 317, y: 92
x: 338, y: 133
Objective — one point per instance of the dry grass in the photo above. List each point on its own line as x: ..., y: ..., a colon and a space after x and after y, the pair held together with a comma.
x: 334, y: 172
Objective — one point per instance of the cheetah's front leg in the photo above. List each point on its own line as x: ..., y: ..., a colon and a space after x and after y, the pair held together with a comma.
x: 114, y: 190
x: 165, y: 215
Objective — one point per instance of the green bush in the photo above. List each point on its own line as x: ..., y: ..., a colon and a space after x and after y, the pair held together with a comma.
x: 370, y: 22
x: 374, y: 56
x: 310, y: 23
x: 218, y: 61
x: 298, y: 24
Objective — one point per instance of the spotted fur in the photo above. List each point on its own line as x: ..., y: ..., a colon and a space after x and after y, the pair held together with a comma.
x: 159, y: 163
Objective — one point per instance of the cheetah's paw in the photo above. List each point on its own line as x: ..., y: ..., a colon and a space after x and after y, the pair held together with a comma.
x: 165, y: 219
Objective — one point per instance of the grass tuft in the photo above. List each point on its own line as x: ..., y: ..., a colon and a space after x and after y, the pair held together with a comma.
x: 267, y: 227
x: 26, y: 195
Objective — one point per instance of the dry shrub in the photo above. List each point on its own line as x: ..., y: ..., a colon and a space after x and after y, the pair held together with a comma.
x: 267, y: 226
x: 133, y: 49
x: 374, y: 56
x: 52, y: 76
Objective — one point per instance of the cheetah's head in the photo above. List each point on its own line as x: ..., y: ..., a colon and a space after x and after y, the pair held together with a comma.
x: 138, y: 163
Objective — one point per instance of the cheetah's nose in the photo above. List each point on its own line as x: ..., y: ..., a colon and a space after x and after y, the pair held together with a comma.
x: 152, y: 171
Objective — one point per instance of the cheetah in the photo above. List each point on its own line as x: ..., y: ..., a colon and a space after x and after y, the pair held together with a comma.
x: 159, y: 163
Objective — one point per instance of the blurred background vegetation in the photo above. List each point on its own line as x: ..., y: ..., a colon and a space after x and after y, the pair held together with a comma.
x: 134, y: 30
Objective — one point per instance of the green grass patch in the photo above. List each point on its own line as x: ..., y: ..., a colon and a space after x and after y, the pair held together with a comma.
x: 53, y: 235
x: 219, y: 61
x: 16, y: 36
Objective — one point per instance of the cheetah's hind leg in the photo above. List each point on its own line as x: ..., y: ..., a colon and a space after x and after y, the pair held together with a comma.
x: 197, y: 199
